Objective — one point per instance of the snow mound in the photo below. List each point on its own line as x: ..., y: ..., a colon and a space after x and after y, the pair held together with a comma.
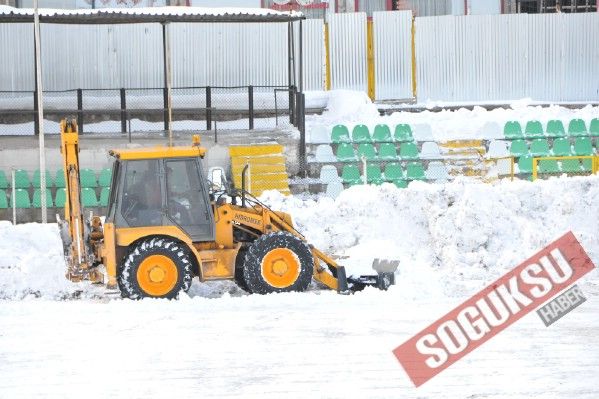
x: 347, y: 105
x: 32, y: 262
x: 451, y: 239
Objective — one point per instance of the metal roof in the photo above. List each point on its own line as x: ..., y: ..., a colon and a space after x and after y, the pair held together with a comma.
x: 147, y: 15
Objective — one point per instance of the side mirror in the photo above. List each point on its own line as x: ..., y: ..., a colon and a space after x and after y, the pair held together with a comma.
x: 217, y: 178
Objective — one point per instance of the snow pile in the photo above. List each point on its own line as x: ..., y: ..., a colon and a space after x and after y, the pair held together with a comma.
x: 448, y: 237
x: 32, y: 262
x: 349, y: 106
x: 353, y: 107
x: 451, y: 239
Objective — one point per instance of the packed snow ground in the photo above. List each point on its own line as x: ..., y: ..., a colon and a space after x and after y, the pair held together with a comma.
x: 451, y: 239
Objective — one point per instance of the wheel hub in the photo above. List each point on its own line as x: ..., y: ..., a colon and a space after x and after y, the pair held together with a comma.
x: 280, y: 267
x: 157, y: 275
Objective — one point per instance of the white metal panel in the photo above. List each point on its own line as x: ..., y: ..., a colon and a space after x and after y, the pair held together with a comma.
x: 348, y: 51
x: 499, y: 58
x: 114, y: 56
x: 16, y: 57
x: 229, y: 54
x: 393, y: 54
x: 314, y: 57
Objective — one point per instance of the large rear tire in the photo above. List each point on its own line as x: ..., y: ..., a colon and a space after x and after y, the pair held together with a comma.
x: 156, y: 267
x: 278, y: 262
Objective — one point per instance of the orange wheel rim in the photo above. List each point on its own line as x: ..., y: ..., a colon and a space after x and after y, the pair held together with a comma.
x: 280, y: 267
x: 157, y: 275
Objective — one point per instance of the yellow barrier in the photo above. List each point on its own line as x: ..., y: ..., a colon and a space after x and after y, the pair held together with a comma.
x: 370, y: 59
x: 594, y: 163
x: 512, y: 163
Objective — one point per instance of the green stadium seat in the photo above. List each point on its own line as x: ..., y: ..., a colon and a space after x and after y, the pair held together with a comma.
x: 37, y: 198
x: 518, y: 148
x: 88, y: 197
x: 415, y: 171
x: 408, y: 151
x: 367, y: 151
x: 583, y: 146
x: 512, y: 130
x: 3, y: 199
x: 393, y: 171
x: 571, y: 165
x: 340, y: 134
x: 534, y: 130
x: 387, y: 152
x: 3, y: 180
x: 21, y: 199
x: 547, y: 166
x: 594, y: 127
x: 36, y: 179
x: 88, y: 178
x: 373, y: 174
x: 350, y: 174
x: 360, y: 134
x: 525, y: 164
x: 59, y: 180
x: 382, y: 134
x: 403, y: 132
x: 61, y: 197
x: 555, y: 128
x: 577, y: 127
x: 561, y: 147
x: 21, y: 179
x: 105, y: 177
x: 345, y: 152
x: 539, y: 148
x: 105, y: 195
x: 400, y: 183
x: 587, y: 165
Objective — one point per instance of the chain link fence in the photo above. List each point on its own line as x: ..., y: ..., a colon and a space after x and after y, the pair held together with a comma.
x: 144, y: 110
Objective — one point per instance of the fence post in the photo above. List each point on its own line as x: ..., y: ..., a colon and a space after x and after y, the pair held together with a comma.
x: 208, y: 108
x: 14, y: 198
x: 36, y: 120
x: 301, y: 125
x: 80, y: 110
x: 123, y: 111
x: 165, y: 107
x: 251, y: 105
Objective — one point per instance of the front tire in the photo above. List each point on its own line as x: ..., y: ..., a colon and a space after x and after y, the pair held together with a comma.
x: 156, y: 267
x: 278, y: 262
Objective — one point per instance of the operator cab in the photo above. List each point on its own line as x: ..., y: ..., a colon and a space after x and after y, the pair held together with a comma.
x: 162, y: 186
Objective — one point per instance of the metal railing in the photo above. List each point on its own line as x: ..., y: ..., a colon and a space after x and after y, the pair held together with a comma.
x: 127, y: 110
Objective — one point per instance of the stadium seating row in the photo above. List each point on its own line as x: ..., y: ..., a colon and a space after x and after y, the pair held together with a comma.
x: 393, y: 172
x: 22, y: 199
x: 555, y: 128
x: 361, y: 134
x: 572, y: 166
x: 386, y: 152
x: 88, y: 178
x: 540, y: 147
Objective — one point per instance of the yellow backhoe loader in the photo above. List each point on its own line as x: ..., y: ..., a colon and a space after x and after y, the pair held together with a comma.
x: 166, y: 224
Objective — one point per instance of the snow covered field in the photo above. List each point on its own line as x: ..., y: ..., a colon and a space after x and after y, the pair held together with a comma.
x: 451, y: 239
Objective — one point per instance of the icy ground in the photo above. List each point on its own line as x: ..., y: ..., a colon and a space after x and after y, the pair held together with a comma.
x: 451, y: 239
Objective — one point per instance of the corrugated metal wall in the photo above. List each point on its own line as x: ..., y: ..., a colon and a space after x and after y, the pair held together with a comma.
x: 393, y: 54
x: 348, y: 51
x: 114, y: 56
x: 504, y: 57
x: 314, y: 57
x: 425, y: 8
